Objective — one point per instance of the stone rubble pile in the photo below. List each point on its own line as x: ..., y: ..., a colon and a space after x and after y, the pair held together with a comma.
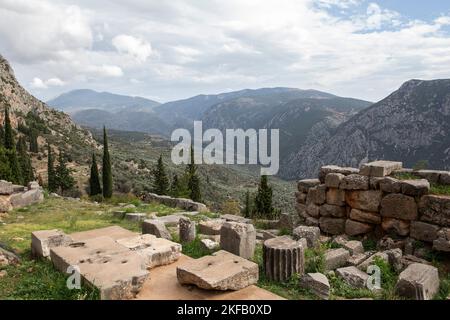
x: 15, y: 197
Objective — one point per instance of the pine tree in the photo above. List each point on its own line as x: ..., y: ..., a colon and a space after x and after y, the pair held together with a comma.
x: 107, y: 173
x: 2, y: 136
x: 161, y: 181
x: 64, y: 179
x: 94, y: 180
x: 33, y: 135
x: 175, y: 187
x: 5, y: 168
x: 24, y: 162
x: 9, y: 135
x: 52, y: 183
x: 193, y: 180
x: 16, y: 172
x: 248, y: 206
x: 263, y: 201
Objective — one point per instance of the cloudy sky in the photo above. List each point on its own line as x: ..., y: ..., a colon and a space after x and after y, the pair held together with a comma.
x: 167, y: 50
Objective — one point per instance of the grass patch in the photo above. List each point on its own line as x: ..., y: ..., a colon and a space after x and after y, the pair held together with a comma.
x: 439, y: 189
x: 405, y: 176
x: 369, y: 244
x: 195, y: 249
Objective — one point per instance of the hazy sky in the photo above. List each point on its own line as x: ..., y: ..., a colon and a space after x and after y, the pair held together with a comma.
x: 172, y: 49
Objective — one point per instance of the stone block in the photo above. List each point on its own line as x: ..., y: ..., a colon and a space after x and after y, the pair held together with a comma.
x: 311, y: 234
x: 317, y: 283
x: 399, y: 206
x: 332, y: 226
x: 333, y: 180
x: 355, y: 182
x: 431, y: 175
x: 364, y: 200
x: 211, y: 227
x: 355, y: 228
x: 27, y: 198
x: 313, y: 210
x: 6, y: 188
x: 354, y: 247
x: 424, y: 231
x: 336, y: 197
x: 288, y: 221
x: 357, y: 259
x: 156, y: 228
x: 324, y: 171
x: 113, y: 232
x: 444, y: 178
x: 371, y: 260
x: 380, y: 168
x: 305, y: 185
x: 311, y: 222
x: 220, y: 271
x: 328, y: 210
x: 415, y: 188
x: 391, y: 185
x: 234, y: 218
x: 238, y: 238
x: 317, y: 195
x: 365, y: 216
x: 418, y: 282
x: 187, y: 230
x: 442, y: 243
x: 119, y: 214
x: 353, y: 276
x: 435, y: 209
x: 300, y: 197
x: 396, y: 226
x: 135, y: 216
x: 336, y: 258
x: 209, y: 244
x: 42, y: 241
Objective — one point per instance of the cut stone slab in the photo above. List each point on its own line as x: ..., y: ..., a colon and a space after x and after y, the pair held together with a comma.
x: 220, y: 271
x: 305, y: 185
x: 418, y: 281
x: 119, y: 214
x: 6, y: 188
x: 353, y: 277
x: 317, y: 195
x: 354, y: 247
x: 364, y: 200
x: 328, y: 210
x: 442, y: 243
x: 157, y: 228
x: 313, y: 210
x: 355, y: 182
x: 27, y: 198
x: 355, y: 228
x: 210, y: 244
x: 435, y: 209
x: 154, y: 251
x: 136, y: 216
x: 332, y: 226
x: 238, y: 238
x: 42, y: 241
x: 325, y: 170
x: 333, y: 180
x: 234, y: 218
x: 380, y: 168
x: 336, y: 258
x: 311, y: 234
x: 365, y: 216
x: 317, y: 283
x: 103, y: 263
x: 391, y: 185
x: 113, y: 232
x: 357, y: 259
x: 424, y: 231
x: 399, y: 206
x: 415, y: 188
x: 171, y: 220
x: 336, y: 197
x: 187, y: 230
x: 211, y: 227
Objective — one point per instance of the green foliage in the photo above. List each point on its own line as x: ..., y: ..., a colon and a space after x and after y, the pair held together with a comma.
x: 175, y: 187
x: 315, y: 260
x: 52, y: 183
x: 16, y: 173
x: 95, y: 188
x: 440, y: 189
x: 5, y: 168
x: 247, y: 212
x: 388, y: 278
x: 33, y: 135
x: 263, y: 200
x: 369, y: 244
x: 195, y: 249
x: 9, y: 134
x: 25, y: 162
x: 64, y: 179
x: 341, y: 289
x: 107, y: 170
x: 444, y: 289
x: 420, y: 165
x: 161, y: 181
x: 193, y: 183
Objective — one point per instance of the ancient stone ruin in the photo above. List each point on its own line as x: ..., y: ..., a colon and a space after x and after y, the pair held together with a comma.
x: 15, y: 196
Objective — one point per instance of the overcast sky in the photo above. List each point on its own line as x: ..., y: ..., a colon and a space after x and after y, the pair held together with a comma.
x: 173, y: 49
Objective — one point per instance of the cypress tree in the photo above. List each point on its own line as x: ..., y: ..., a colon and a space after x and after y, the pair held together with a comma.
x: 175, y: 187
x: 16, y: 173
x: 52, y: 183
x: 9, y: 135
x: 94, y: 180
x: 2, y: 136
x: 64, y: 178
x: 5, y: 168
x: 161, y: 182
x: 247, y: 208
x: 263, y: 201
x: 107, y: 173
x: 24, y: 162
x: 193, y: 180
x: 33, y: 135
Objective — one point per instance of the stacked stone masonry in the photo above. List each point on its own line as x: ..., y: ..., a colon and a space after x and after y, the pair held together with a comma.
x: 371, y: 199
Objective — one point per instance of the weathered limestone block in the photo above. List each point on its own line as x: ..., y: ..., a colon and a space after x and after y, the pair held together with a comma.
x: 336, y: 197
x: 6, y: 188
x: 336, y: 258
x: 156, y: 228
x: 375, y: 183
x: 42, y: 241
x: 424, y: 231
x: 353, y: 276
x: 444, y: 178
x: 313, y: 210
x: 332, y: 226
x: 380, y: 168
x: 238, y: 238
x: 317, y: 195
x: 324, y: 171
x: 355, y: 182
x: 415, y: 188
x: 357, y: 259
x: 119, y: 214
x: 234, y: 218
x: 364, y: 200
x: 317, y: 283
x: 312, y: 222
x: 288, y: 221
x: 431, y: 175
x: 305, y: 185
x: 5, y: 204
x: 300, y: 197
x: 396, y: 226
x: 365, y: 216
x: 399, y: 206
x: 435, y: 209
x: 220, y: 271
x: 371, y: 260
x: 442, y: 243
x: 333, y: 180
x: 211, y: 227
x: 418, y: 281
x: 209, y: 244
x: 301, y: 210
x: 355, y: 228
x: 171, y: 220
x: 391, y: 185
x: 187, y: 230
x: 154, y: 251
x: 328, y: 210
x: 354, y: 247
x: 27, y: 198
x: 103, y: 263
x: 311, y: 234
x: 283, y: 257
x: 135, y: 216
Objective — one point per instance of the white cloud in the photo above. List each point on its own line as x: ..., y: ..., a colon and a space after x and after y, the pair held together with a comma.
x: 38, y: 83
x: 138, y: 48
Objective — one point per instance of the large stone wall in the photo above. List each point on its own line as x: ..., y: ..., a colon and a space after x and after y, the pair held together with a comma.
x: 370, y: 200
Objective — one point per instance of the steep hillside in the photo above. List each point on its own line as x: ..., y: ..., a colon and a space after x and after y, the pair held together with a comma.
x: 83, y: 99
x: 410, y: 125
